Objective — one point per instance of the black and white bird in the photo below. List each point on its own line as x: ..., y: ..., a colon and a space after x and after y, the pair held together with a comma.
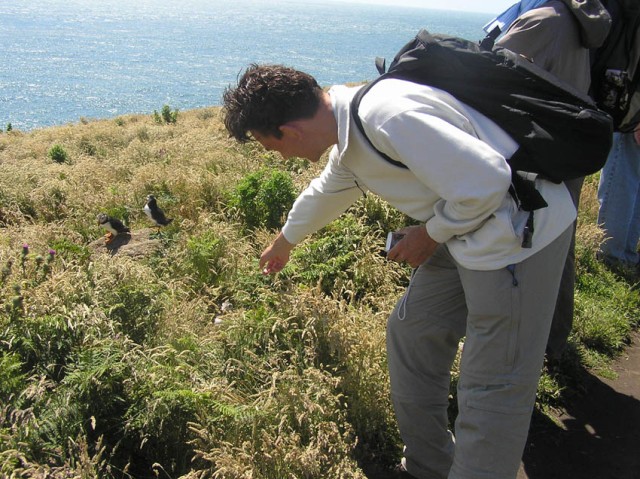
x: 113, y: 226
x: 154, y: 213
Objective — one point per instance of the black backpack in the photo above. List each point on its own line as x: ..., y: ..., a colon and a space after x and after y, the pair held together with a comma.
x: 615, y: 76
x: 560, y: 131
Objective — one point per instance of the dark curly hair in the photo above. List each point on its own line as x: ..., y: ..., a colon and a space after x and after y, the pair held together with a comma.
x: 267, y: 97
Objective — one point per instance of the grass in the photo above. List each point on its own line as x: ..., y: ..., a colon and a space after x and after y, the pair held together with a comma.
x: 185, y: 361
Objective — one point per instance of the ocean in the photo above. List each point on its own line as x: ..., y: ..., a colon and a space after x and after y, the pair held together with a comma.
x: 65, y: 60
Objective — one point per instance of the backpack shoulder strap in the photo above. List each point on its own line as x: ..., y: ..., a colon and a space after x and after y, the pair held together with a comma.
x: 400, y: 59
x: 355, y: 104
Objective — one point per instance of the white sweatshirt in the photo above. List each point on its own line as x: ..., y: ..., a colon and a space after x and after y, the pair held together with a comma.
x: 456, y: 182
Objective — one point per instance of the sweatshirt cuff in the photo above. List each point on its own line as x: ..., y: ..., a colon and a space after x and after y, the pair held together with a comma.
x: 289, y: 236
x: 433, y: 232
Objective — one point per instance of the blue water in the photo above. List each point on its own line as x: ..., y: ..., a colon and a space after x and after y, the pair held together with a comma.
x: 63, y: 60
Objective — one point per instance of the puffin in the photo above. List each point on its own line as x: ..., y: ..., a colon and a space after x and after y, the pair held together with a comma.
x: 113, y: 226
x: 154, y: 213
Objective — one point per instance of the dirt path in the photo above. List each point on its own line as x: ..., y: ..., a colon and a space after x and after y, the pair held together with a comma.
x: 597, y: 436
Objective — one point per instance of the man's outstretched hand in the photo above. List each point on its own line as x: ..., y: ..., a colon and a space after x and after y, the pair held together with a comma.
x: 276, y: 255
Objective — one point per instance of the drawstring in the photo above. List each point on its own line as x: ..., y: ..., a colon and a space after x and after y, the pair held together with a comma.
x: 402, y: 309
x: 512, y: 269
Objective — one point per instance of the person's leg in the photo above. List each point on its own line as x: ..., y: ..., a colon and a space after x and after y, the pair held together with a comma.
x: 618, y: 194
x: 563, y: 313
x: 507, y: 329
x: 422, y: 340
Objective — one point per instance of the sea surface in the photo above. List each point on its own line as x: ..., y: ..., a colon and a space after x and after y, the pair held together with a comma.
x: 65, y: 60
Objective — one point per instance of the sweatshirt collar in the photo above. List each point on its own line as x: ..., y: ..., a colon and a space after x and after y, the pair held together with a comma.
x: 341, y: 97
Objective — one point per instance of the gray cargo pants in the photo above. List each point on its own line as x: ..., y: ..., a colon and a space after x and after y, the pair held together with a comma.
x: 504, y: 316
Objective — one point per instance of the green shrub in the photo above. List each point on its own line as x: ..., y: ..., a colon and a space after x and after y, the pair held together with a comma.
x: 58, y: 154
x: 204, y: 254
x: 263, y: 198
x: 95, y: 392
x: 11, y: 376
x: 377, y: 213
x: 346, y: 260
x: 166, y: 115
x: 261, y: 333
x: 165, y: 398
x: 134, y: 307
x: 70, y: 250
x: 44, y: 343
